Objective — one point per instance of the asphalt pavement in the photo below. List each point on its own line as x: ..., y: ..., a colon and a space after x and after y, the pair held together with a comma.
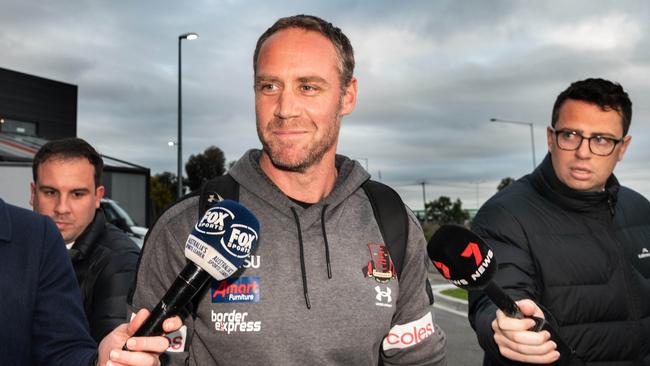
x: 451, y: 316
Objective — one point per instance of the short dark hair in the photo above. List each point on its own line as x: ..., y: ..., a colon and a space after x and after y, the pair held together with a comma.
x: 604, y: 93
x: 69, y: 148
x: 341, y: 43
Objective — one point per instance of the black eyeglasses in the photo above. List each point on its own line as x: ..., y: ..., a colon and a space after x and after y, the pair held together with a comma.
x: 570, y: 140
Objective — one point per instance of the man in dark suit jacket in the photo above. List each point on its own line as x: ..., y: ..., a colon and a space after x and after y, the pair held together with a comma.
x: 40, y: 309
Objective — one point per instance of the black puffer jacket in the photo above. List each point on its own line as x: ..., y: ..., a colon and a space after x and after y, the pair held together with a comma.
x: 104, y: 260
x: 582, y: 256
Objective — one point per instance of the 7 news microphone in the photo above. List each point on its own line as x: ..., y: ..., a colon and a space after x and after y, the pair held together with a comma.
x: 466, y: 260
x: 216, y: 248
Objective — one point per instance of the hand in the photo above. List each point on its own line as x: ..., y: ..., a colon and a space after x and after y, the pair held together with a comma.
x: 142, y: 350
x: 517, y: 343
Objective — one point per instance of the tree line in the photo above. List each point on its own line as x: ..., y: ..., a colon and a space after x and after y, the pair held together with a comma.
x: 212, y: 163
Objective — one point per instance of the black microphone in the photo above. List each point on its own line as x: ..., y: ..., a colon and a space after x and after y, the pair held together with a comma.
x: 219, y: 244
x: 468, y: 262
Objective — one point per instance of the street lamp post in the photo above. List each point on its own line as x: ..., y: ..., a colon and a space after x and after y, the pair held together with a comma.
x: 190, y: 37
x: 532, y: 137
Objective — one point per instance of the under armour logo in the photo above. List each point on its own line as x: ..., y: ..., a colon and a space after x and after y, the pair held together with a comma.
x: 214, y: 197
x: 381, y: 295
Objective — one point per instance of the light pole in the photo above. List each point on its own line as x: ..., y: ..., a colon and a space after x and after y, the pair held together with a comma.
x: 477, y: 184
x: 532, y: 137
x: 424, y: 199
x: 190, y: 37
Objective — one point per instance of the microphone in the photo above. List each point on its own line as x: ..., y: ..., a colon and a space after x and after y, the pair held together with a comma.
x: 467, y: 261
x: 217, y: 247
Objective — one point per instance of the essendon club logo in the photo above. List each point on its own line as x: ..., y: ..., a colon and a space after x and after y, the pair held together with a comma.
x: 380, y: 267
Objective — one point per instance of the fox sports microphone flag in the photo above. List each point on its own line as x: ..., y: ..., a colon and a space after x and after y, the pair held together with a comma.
x: 217, y: 247
x: 222, y: 240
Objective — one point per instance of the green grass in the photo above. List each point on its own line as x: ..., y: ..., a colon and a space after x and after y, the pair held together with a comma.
x: 458, y: 293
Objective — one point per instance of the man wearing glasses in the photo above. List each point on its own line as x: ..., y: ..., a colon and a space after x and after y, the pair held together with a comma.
x: 572, y: 244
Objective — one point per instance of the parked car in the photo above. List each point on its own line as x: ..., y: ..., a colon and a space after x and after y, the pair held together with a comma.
x: 117, y: 216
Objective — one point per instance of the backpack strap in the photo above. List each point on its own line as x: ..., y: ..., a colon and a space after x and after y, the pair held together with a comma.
x: 391, y: 216
x: 221, y: 187
x: 216, y: 189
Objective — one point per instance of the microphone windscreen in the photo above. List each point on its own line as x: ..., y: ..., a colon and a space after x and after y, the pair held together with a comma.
x: 461, y: 256
x: 223, y: 239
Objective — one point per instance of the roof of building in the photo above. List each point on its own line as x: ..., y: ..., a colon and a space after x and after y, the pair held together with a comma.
x: 16, y: 148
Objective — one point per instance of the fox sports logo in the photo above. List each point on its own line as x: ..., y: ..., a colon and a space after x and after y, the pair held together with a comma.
x: 239, y: 240
x: 215, y: 221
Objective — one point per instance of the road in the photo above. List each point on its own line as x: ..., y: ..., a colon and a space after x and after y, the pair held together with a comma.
x: 462, y: 346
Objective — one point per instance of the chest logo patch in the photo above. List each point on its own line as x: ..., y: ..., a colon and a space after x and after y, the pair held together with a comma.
x: 644, y: 253
x: 380, y: 267
x: 383, y: 297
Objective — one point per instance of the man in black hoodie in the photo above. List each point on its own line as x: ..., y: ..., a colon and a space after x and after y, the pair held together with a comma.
x: 571, y: 243
x: 67, y: 188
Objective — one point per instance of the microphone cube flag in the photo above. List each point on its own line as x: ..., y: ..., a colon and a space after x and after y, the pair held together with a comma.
x: 461, y: 256
x: 223, y: 239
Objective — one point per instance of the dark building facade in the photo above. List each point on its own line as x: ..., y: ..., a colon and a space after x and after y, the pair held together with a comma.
x: 34, y: 110
x: 35, y: 106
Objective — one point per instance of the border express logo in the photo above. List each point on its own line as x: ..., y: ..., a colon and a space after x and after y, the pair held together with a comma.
x: 380, y: 266
x: 234, y: 322
x: 242, y: 289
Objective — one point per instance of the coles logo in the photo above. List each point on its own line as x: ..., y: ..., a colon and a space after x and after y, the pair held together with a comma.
x: 409, y: 334
x: 242, y: 289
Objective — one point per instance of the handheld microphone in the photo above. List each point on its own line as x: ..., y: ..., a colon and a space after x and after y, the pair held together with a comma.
x: 217, y: 247
x: 468, y: 262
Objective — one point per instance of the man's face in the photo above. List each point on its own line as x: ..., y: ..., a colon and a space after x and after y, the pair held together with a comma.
x: 582, y: 170
x: 65, y: 191
x: 298, y: 98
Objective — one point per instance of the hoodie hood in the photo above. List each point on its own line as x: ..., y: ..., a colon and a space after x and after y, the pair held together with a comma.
x: 248, y: 173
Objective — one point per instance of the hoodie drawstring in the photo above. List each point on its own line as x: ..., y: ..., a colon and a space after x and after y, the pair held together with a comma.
x: 302, y: 253
x: 302, y: 259
x: 327, y: 246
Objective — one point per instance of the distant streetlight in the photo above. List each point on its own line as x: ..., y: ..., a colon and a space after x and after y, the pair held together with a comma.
x: 477, y: 184
x: 532, y: 137
x: 190, y: 37
x: 424, y: 199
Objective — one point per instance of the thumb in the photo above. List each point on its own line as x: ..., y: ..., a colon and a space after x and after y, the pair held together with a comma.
x: 530, y: 308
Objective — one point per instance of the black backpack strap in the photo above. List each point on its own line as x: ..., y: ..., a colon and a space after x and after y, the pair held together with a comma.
x: 221, y: 187
x: 390, y: 213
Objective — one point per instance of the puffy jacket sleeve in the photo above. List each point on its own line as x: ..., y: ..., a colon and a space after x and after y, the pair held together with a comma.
x: 414, y: 313
x: 111, y: 289
x: 516, y: 272
x: 59, y: 329
x: 161, y: 260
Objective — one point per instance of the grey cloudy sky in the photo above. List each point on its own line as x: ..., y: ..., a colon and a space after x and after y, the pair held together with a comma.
x: 431, y: 74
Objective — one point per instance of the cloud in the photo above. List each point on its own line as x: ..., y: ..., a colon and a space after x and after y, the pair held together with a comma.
x: 431, y: 74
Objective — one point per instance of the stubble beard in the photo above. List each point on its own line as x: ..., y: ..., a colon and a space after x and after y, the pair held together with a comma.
x: 312, y: 154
